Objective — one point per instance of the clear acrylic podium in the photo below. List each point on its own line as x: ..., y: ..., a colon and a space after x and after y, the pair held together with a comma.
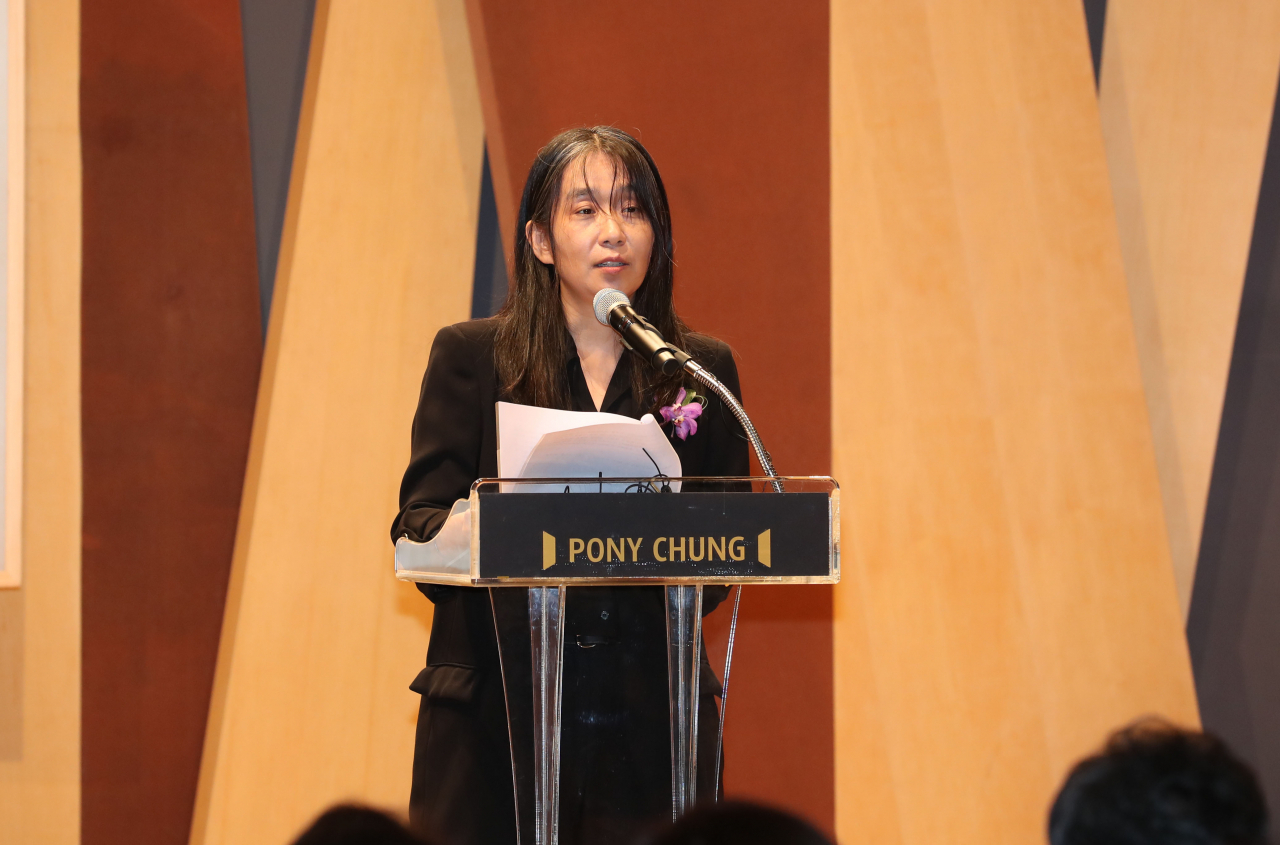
x: 679, y: 534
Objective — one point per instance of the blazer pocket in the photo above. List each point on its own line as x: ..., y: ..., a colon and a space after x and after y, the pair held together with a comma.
x: 446, y: 683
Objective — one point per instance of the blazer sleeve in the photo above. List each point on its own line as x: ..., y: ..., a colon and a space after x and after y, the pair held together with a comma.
x: 446, y: 435
x: 727, y: 443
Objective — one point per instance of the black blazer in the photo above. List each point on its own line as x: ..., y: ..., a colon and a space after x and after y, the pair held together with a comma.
x: 614, y: 742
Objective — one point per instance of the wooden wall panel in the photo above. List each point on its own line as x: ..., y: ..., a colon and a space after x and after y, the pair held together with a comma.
x: 15, y: 49
x: 1186, y: 96
x: 172, y: 349
x: 1008, y: 597
x: 731, y: 100
x: 40, y: 622
x: 1234, y: 622
x: 320, y: 642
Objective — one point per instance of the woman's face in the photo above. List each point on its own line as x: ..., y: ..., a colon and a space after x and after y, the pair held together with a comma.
x: 602, y: 237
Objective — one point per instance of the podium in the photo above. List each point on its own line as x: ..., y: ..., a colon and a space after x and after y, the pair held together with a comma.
x: 545, y: 536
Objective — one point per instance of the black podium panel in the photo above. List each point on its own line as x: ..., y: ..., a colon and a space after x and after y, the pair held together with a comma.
x: 661, y: 536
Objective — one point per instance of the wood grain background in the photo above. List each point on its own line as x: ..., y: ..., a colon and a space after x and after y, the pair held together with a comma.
x: 1008, y: 596
x: 40, y: 622
x: 1185, y: 101
x: 995, y: 303
x: 311, y: 703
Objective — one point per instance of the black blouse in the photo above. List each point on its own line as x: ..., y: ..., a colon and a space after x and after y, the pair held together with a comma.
x: 615, y: 769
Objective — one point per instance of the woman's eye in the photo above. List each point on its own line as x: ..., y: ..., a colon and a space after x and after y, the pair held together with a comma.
x: 585, y: 210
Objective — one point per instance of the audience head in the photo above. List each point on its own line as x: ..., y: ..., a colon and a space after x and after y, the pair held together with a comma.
x: 739, y: 823
x: 1156, y: 783
x: 348, y: 824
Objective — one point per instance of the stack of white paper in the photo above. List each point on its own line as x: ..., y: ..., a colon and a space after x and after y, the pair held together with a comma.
x: 543, y: 443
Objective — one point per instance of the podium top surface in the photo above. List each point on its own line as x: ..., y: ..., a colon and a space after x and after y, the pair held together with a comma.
x: 631, y: 531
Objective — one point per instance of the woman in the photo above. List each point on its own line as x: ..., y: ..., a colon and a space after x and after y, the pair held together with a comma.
x: 594, y: 215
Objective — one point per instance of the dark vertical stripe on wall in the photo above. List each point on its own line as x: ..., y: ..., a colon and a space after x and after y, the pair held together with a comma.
x: 171, y: 348
x: 277, y: 37
x: 1095, y: 16
x: 489, y: 287
x: 736, y: 116
x: 1234, y: 624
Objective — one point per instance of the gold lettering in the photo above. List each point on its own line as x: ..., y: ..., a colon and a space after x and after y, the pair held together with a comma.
x: 714, y: 548
x: 611, y: 545
x: 598, y: 554
x: 658, y: 556
x: 635, y: 548
x: 764, y: 548
x: 575, y: 547
x: 671, y: 543
x: 737, y: 551
x: 702, y: 548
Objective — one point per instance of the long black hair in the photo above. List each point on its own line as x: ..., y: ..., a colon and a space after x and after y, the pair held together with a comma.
x: 532, y: 341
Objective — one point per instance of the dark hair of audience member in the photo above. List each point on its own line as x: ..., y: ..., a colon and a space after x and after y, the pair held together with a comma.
x: 738, y: 823
x: 350, y: 824
x: 1156, y: 783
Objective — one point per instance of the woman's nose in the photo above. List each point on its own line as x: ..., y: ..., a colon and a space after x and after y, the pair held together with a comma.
x: 610, y: 230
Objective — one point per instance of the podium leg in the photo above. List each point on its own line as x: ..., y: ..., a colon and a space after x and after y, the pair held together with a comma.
x: 546, y: 627
x: 684, y: 646
x: 724, y: 692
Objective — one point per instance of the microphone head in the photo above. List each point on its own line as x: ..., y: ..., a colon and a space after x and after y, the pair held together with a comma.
x: 605, y: 301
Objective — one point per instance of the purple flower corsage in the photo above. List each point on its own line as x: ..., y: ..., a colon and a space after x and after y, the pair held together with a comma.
x: 683, y: 416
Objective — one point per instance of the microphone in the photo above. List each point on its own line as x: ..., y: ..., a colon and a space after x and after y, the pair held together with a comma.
x: 613, y: 308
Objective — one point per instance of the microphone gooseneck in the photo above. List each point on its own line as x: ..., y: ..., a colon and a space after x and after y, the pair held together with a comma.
x: 712, y: 383
x: 613, y: 309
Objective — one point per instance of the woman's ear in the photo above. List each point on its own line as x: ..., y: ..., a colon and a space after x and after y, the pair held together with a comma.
x: 537, y: 237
